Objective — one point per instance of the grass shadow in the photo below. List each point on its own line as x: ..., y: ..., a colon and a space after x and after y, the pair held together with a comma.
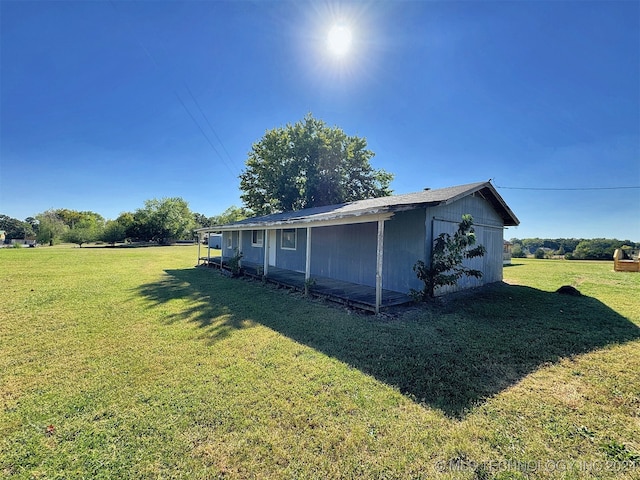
x: 451, y: 357
x: 208, y: 306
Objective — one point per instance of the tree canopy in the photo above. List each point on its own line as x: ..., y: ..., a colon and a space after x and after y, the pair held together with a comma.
x: 309, y: 164
x: 113, y: 232
x: 84, y: 227
x: 600, y: 248
x: 71, y: 218
x: 83, y: 232
x: 230, y: 215
x: 50, y: 227
x: 571, y: 248
x: 15, y: 228
x: 162, y: 220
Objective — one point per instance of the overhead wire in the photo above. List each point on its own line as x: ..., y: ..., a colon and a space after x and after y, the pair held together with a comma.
x: 193, y: 118
x: 209, y: 123
x: 203, y: 132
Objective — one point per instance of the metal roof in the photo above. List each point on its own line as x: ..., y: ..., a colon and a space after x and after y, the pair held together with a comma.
x: 374, y: 208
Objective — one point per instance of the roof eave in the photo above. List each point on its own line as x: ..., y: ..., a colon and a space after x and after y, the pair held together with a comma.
x: 321, y: 220
x: 485, y: 189
x: 509, y: 218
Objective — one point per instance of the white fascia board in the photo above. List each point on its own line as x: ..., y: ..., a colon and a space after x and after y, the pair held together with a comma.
x: 309, y: 222
x: 208, y: 229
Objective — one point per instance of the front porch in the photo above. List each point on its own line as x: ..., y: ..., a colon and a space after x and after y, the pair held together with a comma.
x: 351, y: 294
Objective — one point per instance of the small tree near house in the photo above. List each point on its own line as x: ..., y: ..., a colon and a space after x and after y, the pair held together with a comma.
x: 449, y: 252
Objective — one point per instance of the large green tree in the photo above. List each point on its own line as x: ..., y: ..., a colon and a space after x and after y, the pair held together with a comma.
x: 201, y: 220
x: 164, y: 220
x: 80, y: 234
x: 113, y: 232
x: 309, y: 164
x: 84, y: 227
x: 50, y: 227
x: 87, y: 228
x: 71, y: 218
x: 230, y: 215
x: 128, y: 221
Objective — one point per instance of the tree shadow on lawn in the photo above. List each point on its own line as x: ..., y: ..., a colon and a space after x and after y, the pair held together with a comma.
x: 212, y: 303
x: 450, y: 356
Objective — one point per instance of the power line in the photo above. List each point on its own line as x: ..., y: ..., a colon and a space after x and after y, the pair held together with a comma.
x: 204, y: 133
x: 124, y: 19
x: 209, y: 123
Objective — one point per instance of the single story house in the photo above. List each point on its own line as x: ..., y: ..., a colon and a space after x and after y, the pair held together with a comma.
x: 373, y: 242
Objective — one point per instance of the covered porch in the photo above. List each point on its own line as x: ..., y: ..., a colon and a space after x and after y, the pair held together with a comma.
x: 264, y: 254
x: 351, y: 294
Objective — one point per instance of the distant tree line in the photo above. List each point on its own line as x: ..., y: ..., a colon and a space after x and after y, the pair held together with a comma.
x: 571, y: 248
x: 160, y: 221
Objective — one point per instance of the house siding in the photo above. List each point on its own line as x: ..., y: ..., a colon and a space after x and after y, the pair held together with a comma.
x: 488, y: 227
x: 285, y: 258
x: 292, y: 259
x: 345, y: 252
x: 253, y: 253
x: 250, y: 253
x: 404, y: 245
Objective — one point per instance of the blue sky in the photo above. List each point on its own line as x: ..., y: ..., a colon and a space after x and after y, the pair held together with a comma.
x: 105, y: 104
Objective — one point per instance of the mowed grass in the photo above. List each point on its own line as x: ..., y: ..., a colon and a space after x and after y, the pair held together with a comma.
x: 130, y: 363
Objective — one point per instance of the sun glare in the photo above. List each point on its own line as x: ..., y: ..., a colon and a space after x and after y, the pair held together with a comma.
x: 339, y: 40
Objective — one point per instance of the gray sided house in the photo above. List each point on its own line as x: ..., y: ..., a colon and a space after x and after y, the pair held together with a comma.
x: 373, y: 242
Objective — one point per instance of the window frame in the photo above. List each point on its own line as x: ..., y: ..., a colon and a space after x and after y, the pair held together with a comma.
x: 257, y: 240
x: 295, y: 239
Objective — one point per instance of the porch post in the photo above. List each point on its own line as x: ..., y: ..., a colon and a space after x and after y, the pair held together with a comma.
x: 239, y: 246
x: 307, y: 269
x: 265, y: 241
x: 199, y: 242
x: 379, y: 254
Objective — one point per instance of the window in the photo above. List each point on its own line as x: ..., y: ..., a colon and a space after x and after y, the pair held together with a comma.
x: 230, y: 240
x: 289, y: 238
x: 257, y: 237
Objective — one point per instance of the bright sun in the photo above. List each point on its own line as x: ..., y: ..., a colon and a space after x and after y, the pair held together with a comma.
x: 339, y: 40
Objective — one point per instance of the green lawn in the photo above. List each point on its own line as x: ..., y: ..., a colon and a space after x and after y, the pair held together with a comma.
x: 145, y: 367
